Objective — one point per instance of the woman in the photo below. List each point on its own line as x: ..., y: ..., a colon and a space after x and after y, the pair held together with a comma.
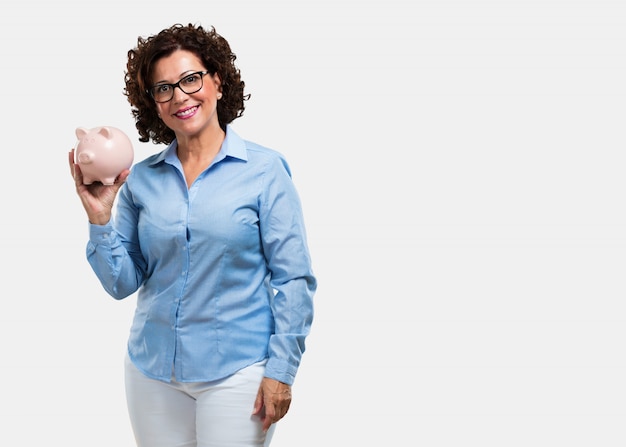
x: 210, y: 234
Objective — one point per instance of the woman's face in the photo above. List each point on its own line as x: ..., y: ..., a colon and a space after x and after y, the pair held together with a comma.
x: 187, y: 114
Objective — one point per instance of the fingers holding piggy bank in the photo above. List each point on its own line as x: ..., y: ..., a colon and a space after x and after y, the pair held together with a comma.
x: 102, y: 154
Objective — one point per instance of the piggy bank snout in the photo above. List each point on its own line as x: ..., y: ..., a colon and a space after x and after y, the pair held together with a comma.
x: 85, y: 157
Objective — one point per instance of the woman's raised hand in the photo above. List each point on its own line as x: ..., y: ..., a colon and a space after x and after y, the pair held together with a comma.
x: 97, y: 199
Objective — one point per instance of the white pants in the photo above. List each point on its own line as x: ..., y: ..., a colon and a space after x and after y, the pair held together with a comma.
x: 202, y: 414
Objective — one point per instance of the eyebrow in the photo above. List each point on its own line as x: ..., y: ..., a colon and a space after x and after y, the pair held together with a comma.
x: 184, y: 74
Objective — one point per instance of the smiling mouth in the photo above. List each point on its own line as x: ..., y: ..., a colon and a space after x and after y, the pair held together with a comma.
x: 186, y: 112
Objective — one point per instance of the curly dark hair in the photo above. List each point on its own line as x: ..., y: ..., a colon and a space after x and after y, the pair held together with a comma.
x: 214, y: 52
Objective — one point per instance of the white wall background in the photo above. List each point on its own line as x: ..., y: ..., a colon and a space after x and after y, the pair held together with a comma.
x: 461, y: 165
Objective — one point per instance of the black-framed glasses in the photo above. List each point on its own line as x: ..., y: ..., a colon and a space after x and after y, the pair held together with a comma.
x: 191, y: 83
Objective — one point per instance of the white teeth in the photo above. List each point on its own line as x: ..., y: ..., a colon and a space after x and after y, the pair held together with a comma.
x: 187, y: 112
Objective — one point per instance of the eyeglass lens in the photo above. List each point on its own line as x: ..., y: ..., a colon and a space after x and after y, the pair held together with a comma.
x: 188, y: 84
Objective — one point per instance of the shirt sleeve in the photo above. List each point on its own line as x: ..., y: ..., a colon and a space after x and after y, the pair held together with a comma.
x: 113, y: 251
x: 291, y: 276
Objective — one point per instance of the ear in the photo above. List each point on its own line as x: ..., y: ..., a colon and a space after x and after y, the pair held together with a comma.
x: 218, y: 82
x: 81, y: 132
x: 106, y: 132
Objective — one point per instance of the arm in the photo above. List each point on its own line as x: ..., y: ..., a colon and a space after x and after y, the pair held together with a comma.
x: 287, y: 256
x: 105, y: 252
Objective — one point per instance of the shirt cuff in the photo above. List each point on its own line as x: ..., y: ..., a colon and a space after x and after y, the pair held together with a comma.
x: 100, y: 233
x: 280, y: 370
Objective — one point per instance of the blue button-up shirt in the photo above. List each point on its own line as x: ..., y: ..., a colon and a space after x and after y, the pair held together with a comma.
x: 222, y: 269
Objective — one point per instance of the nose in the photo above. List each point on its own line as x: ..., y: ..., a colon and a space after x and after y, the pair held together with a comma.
x: 178, y: 94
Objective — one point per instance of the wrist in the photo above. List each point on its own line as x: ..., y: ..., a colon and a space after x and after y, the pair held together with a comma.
x: 100, y: 219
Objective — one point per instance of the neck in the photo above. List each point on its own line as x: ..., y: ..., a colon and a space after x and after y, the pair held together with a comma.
x: 200, y: 147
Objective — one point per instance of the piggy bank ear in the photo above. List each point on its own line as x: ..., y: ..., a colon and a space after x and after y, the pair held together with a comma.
x: 106, y: 132
x: 81, y: 132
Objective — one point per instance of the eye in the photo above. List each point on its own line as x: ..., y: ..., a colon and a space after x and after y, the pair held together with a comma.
x: 191, y: 79
x: 162, y: 88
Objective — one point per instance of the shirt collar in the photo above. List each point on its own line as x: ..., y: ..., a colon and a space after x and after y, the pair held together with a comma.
x: 232, y: 146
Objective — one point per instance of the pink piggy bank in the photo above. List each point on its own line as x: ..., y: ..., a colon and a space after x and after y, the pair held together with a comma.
x: 102, y: 153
